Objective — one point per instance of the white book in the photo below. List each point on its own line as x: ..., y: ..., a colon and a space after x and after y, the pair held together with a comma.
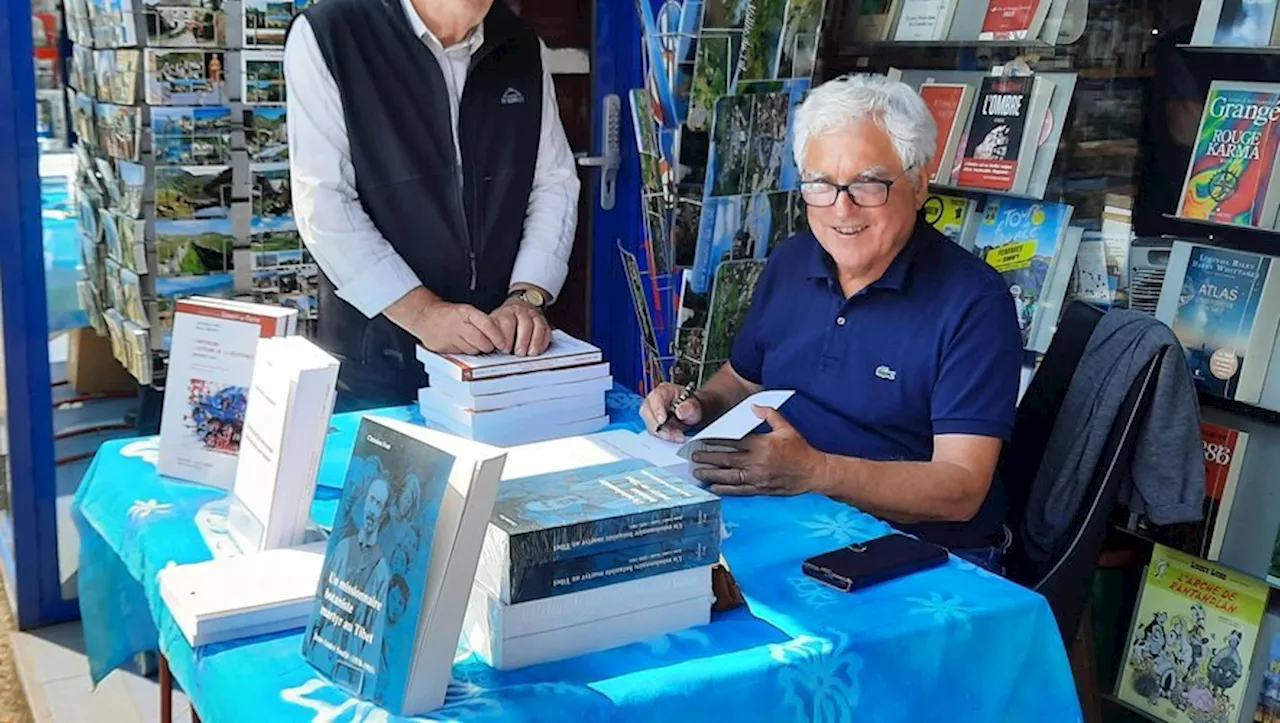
x: 564, y: 351
x: 528, y: 434
x: 236, y: 597
x: 398, y: 568
x: 471, y: 392
x: 628, y: 626
x: 734, y: 424
x: 507, y: 636
x: 589, y: 450
x: 206, y: 391
x: 482, y: 424
x: 286, y: 423
x: 455, y: 393
x: 924, y: 20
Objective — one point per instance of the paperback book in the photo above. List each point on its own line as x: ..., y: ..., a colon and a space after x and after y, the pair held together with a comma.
x: 210, y: 370
x: 1232, y: 175
x: 568, y: 531
x: 398, y: 568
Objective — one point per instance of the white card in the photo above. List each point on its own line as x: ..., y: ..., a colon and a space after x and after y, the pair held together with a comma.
x: 736, y: 423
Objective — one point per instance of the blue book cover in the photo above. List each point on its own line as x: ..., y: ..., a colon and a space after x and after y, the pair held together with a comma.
x: 1018, y: 238
x: 363, y: 632
x: 654, y: 557
x: 1216, y: 308
x: 584, y: 511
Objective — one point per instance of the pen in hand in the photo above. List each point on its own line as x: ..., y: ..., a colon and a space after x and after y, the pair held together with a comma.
x: 671, y: 410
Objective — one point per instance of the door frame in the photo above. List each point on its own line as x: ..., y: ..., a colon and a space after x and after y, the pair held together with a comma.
x: 615, y: 69
x: 31, y: 566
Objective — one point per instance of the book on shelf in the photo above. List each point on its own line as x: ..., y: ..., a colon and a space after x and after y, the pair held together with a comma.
x: 1191, y: 638
x: 399, y: 563
x: 1014, y: 19
x: 514, y: 636
x: 206, y: 390
x: 1268, y: 706
x: 242, y: 596
x: 1004, y: 133
x: 1236, y: 23
x: 1224, y: 454
x: 581, y: 529
x: 564, y: 351
x: 1223, y: 305
x: 286, y: 421
x: 924, y: 20
x: 948, y: 103
x: 1033, y: 246
x: 1233, y: 177
x: 956, y: 217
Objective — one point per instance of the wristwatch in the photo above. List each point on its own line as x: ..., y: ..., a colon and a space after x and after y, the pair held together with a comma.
x: 533, y: 297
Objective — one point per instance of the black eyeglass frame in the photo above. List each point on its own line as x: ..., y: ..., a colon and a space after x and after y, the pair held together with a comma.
x: 848, y: 190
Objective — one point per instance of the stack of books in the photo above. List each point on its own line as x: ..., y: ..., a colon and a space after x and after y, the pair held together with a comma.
x: 590, y: 559
x: 506, y: 400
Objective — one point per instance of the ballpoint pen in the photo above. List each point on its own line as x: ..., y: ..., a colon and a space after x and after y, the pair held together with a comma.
x: 680, y: 399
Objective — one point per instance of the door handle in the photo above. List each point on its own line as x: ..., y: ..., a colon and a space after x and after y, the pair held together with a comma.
x: 611, y: 158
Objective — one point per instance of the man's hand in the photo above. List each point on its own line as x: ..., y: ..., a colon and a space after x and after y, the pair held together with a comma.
x: 656, y: 415
x: 779, y: 462
x: 524, y: 328
x: 447, y: 328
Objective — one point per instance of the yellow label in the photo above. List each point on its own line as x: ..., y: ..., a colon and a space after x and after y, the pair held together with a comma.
x: 1011, y: 256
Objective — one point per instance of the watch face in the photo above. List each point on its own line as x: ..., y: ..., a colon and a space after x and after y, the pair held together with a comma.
x: 533, y: 297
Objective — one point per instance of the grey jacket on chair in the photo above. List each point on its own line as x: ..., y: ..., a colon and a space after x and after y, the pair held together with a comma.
x: 1166, y: 480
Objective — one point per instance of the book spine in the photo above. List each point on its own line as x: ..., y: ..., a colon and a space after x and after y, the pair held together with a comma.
x: 606, y: 568
x: 589, y: 538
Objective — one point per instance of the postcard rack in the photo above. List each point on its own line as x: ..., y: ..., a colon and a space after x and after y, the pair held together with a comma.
x: 182, y: 178
x: 714, y: 209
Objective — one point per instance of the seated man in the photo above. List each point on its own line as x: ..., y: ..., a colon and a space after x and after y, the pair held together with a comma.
x: 903, y: 349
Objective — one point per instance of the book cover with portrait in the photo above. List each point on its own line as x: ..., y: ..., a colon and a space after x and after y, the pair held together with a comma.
x: 1230, y: 179
x: 399, y: 563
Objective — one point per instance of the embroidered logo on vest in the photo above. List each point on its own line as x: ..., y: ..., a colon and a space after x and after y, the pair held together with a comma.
x: 885, y: 372
x: 511, y: 96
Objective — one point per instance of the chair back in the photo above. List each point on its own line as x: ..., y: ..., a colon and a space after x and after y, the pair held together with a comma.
x: 1066, y: 582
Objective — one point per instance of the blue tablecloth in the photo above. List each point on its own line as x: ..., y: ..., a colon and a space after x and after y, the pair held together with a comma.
x: 954, y: 643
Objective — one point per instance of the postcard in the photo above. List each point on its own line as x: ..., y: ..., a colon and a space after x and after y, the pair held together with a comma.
x: 185, y: 77
x: 191, y: 135
x: 730, y: 297
x: 266, y: 134
x: 190, y: 24
x: 194, y: 247
x: 133, y: 182
x: 191, y: 192
x: 271, y: 193
x: 124, y: 86
x: 263, y: 76
x: 266, y: 22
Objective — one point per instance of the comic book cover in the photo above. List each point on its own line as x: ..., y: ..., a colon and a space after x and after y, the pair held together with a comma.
x: 1191, y: 640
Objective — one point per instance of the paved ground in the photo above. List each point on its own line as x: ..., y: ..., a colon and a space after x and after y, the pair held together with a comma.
x: 13, y: 702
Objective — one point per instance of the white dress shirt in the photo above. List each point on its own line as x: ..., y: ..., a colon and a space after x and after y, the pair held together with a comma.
x: 365, y: 270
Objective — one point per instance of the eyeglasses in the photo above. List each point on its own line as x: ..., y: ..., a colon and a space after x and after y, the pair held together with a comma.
x: 868, y: 194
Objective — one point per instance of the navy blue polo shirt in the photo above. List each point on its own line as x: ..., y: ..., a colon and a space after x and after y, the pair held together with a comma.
x: 932, y: 347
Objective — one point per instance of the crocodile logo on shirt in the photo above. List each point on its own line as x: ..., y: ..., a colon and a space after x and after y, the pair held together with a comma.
x: 885, y: 372
x: 511, y: 96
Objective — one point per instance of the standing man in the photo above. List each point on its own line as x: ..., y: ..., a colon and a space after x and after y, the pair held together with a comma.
x: 432, y: 182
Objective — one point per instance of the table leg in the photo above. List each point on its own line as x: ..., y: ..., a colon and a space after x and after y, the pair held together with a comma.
x: 166, y: 691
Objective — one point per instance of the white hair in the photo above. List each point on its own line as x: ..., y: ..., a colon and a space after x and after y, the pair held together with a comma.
x: 890, y: 104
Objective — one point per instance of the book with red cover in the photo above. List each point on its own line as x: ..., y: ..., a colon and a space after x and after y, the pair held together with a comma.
x: 1008, y: 19
x: 949, y: 105
x: 995, y: 133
